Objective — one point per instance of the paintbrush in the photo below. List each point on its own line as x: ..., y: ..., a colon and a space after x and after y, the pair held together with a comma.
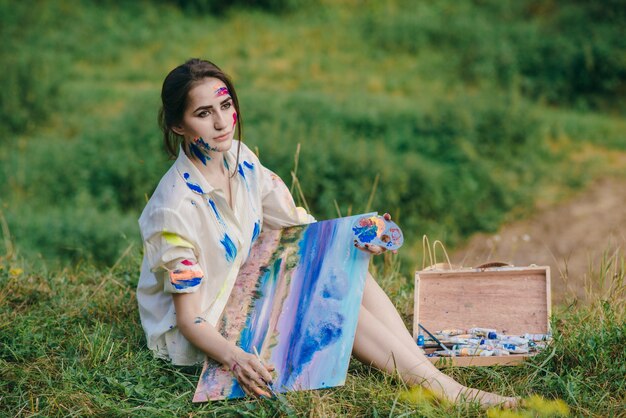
x: 269, y: 385
x: 446, y: 349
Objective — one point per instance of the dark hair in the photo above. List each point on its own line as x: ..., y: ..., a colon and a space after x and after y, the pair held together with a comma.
x: 174, y: 97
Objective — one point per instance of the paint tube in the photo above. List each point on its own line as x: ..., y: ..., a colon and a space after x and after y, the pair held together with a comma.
x: 457, y: 340
x: 488, y: 347
x: 451, y: 332
x: 420, y: 340
x: 514, y: 349
x: 538, y: 337
x: 501, y: 352
x: 481, y: 331
x: 475, y: 351
x: 510, y: 339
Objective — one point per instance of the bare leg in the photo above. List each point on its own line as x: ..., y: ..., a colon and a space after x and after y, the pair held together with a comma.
x: 383, y: 341
x: 378, y: 303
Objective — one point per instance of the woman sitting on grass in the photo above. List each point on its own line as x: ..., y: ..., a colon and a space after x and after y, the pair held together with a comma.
x: 198, y: 228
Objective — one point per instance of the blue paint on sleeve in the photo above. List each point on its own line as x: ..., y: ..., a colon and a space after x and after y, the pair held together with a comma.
x: 231, y: 250
x: 191, y: 185
x: 256, y: 230
x: 240, y: 170
x: 248, y: 165
x: 186, y: 284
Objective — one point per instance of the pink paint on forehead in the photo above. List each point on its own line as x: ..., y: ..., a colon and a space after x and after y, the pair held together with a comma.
x: 222, y: 91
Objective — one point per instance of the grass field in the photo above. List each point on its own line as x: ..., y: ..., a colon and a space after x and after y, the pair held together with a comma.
x: 463, y: 115
x: 71, y: 345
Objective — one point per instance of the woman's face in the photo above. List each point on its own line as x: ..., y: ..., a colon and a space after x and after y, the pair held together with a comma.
x: 209, y: 121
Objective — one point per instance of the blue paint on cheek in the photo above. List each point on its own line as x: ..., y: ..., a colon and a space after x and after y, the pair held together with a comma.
x: 256, y: 230
x: 200, y: 142
x: 191, y: 185
x: 231, y: 250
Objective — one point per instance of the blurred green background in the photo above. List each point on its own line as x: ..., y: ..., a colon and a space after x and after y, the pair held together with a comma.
x: 461, y: 115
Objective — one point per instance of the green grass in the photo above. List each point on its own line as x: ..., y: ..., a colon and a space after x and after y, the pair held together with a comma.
x: 71, y: 345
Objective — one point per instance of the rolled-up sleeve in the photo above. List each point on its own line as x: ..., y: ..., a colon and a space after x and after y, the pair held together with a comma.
x: 171, y: 251
x: 279, y: 208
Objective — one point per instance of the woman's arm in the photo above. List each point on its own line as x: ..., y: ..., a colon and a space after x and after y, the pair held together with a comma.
x: 252, y: 376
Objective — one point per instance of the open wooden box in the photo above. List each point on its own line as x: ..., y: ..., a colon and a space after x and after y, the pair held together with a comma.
x: 514, y: 300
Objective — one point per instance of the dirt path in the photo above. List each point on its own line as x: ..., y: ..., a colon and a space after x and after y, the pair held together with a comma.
x: 569, y: 237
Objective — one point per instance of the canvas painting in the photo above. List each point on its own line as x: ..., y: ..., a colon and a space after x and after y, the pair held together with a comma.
x: 296, y: 301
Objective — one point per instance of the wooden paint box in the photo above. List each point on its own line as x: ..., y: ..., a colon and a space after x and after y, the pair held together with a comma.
x: 513, y: 300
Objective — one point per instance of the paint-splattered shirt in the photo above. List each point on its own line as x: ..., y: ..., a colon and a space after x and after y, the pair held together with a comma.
x: 194, y: 242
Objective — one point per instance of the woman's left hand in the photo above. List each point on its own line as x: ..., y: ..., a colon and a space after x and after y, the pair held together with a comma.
x: 374, y: 249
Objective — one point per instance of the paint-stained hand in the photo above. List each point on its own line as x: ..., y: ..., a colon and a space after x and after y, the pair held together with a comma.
x: 253, y: 377
x: 374, y: 249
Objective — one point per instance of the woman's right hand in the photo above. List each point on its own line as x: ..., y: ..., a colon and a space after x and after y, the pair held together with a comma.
x: 253, y: 376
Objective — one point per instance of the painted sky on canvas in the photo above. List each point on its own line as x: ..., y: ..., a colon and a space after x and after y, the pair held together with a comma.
x: 300, y: 292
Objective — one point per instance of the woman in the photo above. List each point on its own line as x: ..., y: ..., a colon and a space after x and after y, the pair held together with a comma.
x: 199, y: 226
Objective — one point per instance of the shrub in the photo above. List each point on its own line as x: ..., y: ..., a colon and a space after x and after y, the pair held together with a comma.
x: 560, y: 51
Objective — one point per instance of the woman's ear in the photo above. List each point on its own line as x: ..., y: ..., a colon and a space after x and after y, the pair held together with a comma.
x: 178, y: 130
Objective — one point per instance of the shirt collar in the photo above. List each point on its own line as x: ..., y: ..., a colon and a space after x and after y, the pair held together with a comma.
x: 192, y: 176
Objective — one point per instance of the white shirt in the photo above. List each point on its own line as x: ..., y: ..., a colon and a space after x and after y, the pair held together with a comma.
x: 194, y: 242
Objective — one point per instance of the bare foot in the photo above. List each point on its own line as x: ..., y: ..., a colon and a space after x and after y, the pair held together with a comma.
x: 486, y: 399
x: 453, y: 391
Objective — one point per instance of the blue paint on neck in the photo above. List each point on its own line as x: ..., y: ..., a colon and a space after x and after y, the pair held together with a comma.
x: 197, y: 152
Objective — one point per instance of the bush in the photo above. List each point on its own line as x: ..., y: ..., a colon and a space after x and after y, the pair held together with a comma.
x: 73, y: 232
x: 560, y: 51
x: 220, y: 7
x: 462, y: 163
x: 31, y: 77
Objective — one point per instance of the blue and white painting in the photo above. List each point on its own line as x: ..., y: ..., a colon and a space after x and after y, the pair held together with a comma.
x: 296, y: 300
